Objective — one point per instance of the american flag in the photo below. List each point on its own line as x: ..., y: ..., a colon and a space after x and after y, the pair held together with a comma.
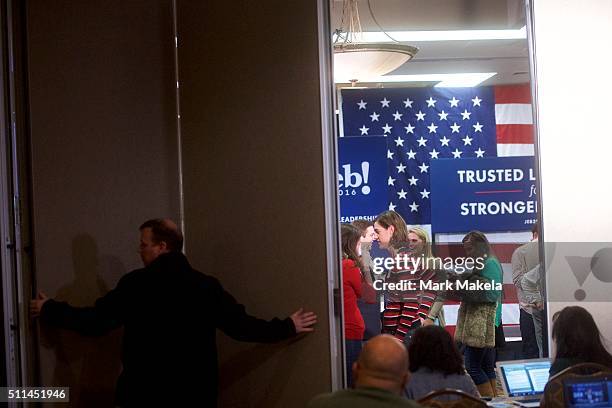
x: 425, y: 124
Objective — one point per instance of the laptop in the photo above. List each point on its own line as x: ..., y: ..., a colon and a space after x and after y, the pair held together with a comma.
x: 588, y: 392
x: 524, y: 380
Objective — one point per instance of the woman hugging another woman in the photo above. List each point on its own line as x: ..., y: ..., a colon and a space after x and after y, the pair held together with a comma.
x: 406, y: 308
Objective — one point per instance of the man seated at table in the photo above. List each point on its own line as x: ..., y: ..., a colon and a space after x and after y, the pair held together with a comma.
x: 380, y: 374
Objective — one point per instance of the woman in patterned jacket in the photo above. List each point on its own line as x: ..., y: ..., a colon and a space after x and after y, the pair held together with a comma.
x: 480, y: 313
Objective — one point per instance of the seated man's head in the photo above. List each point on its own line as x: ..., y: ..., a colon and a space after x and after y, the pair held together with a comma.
x: 383, y: 363
x: 158, y: 236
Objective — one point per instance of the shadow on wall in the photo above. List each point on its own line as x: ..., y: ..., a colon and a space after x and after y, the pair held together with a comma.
x: 237, y: 366
x: 88, y: 365
x: 238, y: 360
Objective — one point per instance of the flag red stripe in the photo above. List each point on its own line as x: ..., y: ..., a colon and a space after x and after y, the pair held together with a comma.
x: 510, y: 295
x: 513, y: 94
x: 519, y: 134
x: 503, y: 252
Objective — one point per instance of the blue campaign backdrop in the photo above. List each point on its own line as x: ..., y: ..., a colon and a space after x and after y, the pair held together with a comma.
x: 486, y: 194
x: 362, y: 177
x: 421, y: 125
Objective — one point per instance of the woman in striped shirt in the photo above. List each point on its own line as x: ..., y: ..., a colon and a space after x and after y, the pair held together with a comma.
x: 408, y: 306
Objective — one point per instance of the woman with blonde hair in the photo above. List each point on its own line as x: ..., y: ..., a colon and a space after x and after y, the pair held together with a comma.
x: 418, y: 241
x: 406, y: 307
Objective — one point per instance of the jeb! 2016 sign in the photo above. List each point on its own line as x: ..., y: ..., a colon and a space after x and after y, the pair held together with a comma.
x: 490, y: 194
x: 362, y: 177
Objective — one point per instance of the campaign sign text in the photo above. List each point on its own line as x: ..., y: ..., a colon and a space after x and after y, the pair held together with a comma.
x: 362, y: 177
x: 486, y: 194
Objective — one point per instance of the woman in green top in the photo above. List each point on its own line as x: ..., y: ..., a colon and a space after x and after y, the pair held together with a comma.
x: 480, y: 313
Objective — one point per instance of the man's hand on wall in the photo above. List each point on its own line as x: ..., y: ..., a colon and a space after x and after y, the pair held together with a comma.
x: 37, y: 304
x: 303, y: 321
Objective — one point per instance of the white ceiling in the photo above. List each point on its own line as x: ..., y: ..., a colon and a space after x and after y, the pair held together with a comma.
x: 509, y: 58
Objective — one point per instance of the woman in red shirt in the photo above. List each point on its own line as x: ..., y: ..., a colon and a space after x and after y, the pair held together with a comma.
x: 351, y: 286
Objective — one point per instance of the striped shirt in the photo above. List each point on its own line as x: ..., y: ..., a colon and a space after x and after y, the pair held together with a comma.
x: 408, y: 304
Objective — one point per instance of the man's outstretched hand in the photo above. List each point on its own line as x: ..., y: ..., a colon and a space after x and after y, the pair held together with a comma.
x: 303, y: 321
x: 37, y: 304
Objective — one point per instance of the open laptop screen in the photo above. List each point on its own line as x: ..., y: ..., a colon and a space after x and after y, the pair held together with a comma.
x: 524, y: 378
x: 594, y: 392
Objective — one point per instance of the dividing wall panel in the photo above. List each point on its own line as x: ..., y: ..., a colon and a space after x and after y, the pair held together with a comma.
x: 573, y: 92
x: 253, y: 183
x: 104, y: 159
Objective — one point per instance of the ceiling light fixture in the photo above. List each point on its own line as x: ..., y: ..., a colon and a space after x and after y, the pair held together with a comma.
x: 467, y: 79
x: 354, y: 59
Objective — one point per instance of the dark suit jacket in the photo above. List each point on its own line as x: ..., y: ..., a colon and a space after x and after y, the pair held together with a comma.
x: 170, y: 313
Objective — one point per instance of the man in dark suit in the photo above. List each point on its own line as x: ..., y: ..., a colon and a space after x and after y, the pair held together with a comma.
x: 170, y: 313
